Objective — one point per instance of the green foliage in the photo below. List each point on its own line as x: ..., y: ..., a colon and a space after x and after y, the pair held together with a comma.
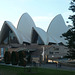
x: 14, y: 58
x: 7, y: 57
x: 22, y: 55
x: 70, y: 34
x: 71, y: 54
x: 29, y: 59
x: 72, y: 18
x: 40, y: 59
x: 72, y: 6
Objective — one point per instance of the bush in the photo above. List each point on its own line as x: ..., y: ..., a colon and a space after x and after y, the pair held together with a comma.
x: 29, y: 59
x: 22, y: 55
x: 22, y: 62
x: 14, y: 58
x: 7, y: 57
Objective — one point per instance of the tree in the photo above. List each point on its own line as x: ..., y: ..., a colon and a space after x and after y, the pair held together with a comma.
x: 7, y: 57
x: 14, y: 58
x: 22, y: 55
x: 70, y: 34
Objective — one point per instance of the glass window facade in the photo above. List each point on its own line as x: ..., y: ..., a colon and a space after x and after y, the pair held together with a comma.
x: 36, y: 38
x: 8, y: 36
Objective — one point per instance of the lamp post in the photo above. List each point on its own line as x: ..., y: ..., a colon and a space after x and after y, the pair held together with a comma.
x: 43, y: 53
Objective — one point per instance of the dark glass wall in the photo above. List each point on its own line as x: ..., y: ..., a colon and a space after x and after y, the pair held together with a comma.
x: 8, y: 36
x: 36, y: 38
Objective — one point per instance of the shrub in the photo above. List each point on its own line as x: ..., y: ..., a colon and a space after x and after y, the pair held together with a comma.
x: 7, y: 57
x: 14, y: 58
x: 29, y: 59
x: 40, y: 59
x: 22, y: 55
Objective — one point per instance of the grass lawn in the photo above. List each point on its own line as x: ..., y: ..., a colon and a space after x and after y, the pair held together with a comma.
x: 8, y: 70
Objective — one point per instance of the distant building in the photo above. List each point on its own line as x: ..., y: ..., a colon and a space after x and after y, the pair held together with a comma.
x: 55, y: 51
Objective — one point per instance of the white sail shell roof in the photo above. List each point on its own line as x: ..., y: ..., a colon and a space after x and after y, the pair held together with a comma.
x: 56, y: 28
x: 25, y: 27
x: 23, y: 32
x: 43, y: 35
x: 53, y: 39
x: 10, y: 25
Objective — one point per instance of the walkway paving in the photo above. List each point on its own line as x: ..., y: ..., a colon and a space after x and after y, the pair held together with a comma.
x: 53, y: 66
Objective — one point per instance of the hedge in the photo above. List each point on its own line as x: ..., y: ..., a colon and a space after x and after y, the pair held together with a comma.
x: 14, y: 58
x: 7, y: 57
x: 22, y: 55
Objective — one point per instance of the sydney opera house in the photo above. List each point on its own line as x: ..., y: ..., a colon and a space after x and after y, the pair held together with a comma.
x: 27, y: 32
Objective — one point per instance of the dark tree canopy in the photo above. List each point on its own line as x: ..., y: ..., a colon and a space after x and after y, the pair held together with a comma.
x: 72, y: 7
x: 70, y: 34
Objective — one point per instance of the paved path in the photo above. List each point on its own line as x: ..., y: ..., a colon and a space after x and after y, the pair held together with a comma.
x: 53, y: 66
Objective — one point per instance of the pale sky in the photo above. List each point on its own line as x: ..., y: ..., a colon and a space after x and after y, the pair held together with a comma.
x: 41, y: 11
